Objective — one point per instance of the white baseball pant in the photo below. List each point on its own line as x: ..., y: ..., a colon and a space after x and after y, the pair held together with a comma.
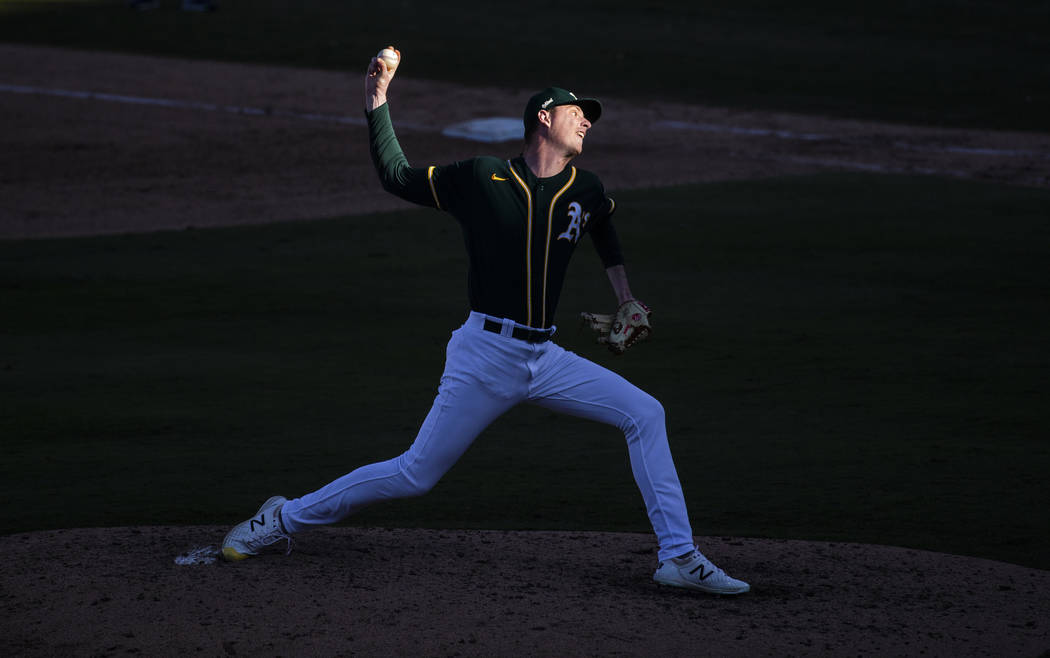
x: 485, y: 375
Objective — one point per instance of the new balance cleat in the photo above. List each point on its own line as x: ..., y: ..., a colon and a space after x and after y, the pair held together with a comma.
x: 694, y: 571
x: 249, y: 537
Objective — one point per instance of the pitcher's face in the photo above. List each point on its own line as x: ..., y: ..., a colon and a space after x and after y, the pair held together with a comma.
x: 568, y: 128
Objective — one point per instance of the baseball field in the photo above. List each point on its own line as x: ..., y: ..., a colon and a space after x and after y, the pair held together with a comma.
x: 841, y: 218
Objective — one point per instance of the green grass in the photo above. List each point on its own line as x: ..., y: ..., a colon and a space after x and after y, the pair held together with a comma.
x: 841, y: 357
x: 945, y: 62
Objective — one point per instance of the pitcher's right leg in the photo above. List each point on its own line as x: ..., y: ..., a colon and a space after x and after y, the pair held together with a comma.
x: 570, y: 384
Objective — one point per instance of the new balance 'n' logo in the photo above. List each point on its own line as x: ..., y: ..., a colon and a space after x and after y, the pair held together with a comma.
x: 702, y: 576
x: 261, y: 521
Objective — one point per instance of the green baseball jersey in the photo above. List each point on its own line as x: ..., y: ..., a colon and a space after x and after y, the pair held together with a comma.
x: 520, y: 231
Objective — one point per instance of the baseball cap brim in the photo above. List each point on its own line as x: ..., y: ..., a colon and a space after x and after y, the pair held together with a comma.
x: 555, y: 96
x: 592, y: 107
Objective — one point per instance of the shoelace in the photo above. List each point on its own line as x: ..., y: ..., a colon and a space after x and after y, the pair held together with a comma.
x: 704, y: 562
x: 271, y: 537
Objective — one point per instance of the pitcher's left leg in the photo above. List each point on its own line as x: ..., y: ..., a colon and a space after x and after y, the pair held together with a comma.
x: 568, y: 383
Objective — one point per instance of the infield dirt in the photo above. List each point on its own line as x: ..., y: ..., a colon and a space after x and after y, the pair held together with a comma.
x: 485, y: 593
x: 87, y: 165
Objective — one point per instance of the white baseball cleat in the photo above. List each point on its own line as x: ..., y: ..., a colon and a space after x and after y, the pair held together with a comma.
x: 694, y: 571
x: 263, y: 529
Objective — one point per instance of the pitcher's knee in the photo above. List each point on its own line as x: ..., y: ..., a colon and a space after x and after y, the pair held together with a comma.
x: 414, y: 482
x: 645, y: 412
x: 652, y: 411
x: 414, y: 488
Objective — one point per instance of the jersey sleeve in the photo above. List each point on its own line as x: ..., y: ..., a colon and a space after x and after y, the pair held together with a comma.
x: 603, y: 234
x: 432, y: 186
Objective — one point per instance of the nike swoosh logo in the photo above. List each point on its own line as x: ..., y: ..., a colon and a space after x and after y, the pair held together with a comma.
x: 495, y: 177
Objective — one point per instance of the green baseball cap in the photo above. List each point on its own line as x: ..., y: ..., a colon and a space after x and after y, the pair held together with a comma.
x: 555, y: 96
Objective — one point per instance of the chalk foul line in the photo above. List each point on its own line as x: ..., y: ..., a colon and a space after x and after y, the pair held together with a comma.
x: 247, y: 110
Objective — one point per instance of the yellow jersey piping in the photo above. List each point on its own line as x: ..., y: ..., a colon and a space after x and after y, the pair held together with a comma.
x: 528, y: 247
x: 430, y: 179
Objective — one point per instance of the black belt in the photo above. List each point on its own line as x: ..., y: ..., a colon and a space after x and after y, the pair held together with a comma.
x: 528, y: 335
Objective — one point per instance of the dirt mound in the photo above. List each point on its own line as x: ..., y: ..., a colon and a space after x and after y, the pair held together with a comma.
x: 366, y: 591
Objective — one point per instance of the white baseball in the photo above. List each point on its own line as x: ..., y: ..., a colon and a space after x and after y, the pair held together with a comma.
x: 391, y: 57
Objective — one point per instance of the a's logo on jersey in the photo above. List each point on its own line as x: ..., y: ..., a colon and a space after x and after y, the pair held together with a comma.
x: 495, y: 177
x: 577, y: 222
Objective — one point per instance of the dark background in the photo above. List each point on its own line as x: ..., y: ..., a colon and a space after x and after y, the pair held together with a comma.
x: 844, y: 357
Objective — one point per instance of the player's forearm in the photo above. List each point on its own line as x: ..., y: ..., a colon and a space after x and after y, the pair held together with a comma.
x: 395, y: 174
x: 374, y: 100
x: 618, y: 278
x: 387, y: 155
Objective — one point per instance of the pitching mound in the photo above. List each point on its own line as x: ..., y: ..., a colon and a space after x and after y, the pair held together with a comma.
x: 349, y: 591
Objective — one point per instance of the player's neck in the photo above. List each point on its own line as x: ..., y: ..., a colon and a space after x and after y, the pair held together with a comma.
x: 544, y: 159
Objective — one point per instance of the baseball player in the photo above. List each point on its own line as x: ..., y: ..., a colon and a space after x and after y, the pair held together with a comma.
x: 521, y: 220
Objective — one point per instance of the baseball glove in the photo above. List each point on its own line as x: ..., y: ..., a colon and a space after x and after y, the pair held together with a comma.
x: 627, y: 327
